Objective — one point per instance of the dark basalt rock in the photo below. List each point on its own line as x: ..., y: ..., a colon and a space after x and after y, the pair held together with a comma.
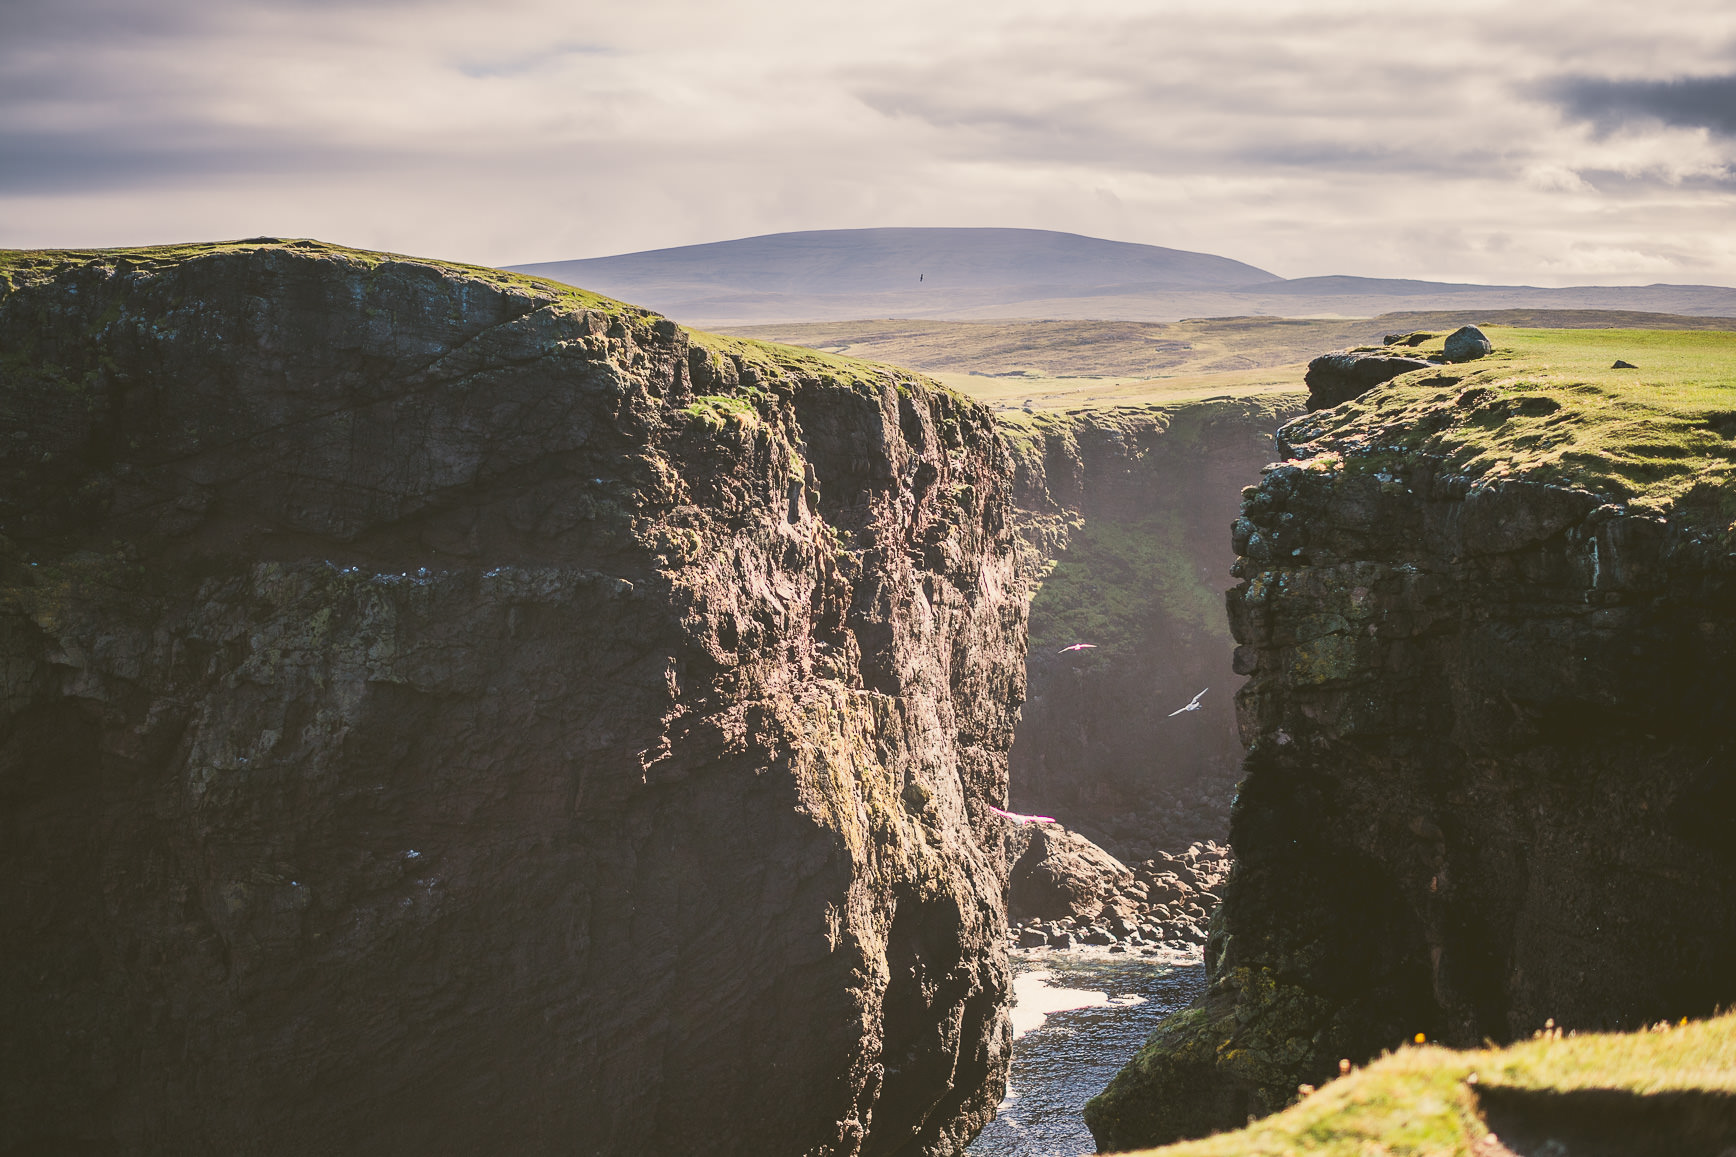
x: 1338, y: 377
x: 1489, y: 782
x: 446, y: 714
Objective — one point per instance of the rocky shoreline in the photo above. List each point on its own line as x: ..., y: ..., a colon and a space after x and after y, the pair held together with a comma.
x: 1066, y: 892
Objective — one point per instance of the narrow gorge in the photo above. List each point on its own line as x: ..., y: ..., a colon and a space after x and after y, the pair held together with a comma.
x: 449, y: 712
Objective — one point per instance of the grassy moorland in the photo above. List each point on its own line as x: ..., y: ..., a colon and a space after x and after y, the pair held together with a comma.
x: 1548, y: 405
x: 1062, y: 364
x: 1425, y: 1101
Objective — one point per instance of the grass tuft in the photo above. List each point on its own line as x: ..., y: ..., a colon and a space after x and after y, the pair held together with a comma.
x: 1421, y: 1101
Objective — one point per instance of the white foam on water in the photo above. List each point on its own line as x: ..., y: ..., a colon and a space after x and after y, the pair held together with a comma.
x: 1034, y: 999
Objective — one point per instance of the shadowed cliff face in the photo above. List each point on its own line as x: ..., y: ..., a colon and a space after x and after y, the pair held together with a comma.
x: 1490, y: 778
x: 1131, y: 507
x: 446, y: 713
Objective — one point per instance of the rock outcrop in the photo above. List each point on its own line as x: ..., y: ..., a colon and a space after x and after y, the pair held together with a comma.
x: 1490, y: 779
x: 446, y: 713
x: 1126, y: 510
x: 1338, y: 377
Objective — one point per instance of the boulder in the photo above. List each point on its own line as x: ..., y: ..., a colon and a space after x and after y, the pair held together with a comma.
x: 1466, y: 344
x: 1062, y: 874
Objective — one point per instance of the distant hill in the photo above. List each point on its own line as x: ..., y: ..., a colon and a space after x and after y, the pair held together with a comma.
x: 964, y: 274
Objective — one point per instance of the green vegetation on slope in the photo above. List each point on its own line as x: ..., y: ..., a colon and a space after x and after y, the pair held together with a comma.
x: 1114, y: 574
x: 768, y: 361
x: 1114, y: 577
x: 1425, y: 1101
x: 20, y: 267
x: 1054, y: 364
x: 1547, y: 406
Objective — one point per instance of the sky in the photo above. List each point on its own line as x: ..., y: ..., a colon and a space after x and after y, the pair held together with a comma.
x: 1536, y: 142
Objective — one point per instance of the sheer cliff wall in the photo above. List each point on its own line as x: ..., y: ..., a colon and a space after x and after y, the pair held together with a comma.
x: 1491, y: 778
x: 445, y: 713
x: 1126, y: 512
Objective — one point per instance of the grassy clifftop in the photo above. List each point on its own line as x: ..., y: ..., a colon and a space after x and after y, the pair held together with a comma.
x: 1548, y: 406
x: 23, y: 267
x: 1496, y: 1102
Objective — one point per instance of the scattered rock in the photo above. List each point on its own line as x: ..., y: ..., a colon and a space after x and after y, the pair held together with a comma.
x: 1621, y: 365
x: 1066, y: 891
x: 1466, y: 344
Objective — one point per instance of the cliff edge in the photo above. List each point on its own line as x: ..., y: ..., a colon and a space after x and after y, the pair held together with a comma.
x: 446, y: 712
x: 1489, y: 617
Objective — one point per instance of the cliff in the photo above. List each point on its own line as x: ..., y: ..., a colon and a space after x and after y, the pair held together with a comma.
x: 1487, y: 616
x: 446, y: 712
x: 1124, y: 511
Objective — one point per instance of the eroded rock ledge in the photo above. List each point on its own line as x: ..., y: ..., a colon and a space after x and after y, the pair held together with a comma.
x: 448, y: 713
x: 1490, y: 777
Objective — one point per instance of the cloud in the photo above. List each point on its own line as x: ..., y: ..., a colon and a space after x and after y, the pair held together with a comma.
x: 1306, y: 136
x: 1707, y: 102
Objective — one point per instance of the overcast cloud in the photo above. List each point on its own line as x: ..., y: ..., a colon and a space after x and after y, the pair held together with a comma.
x: 1542, y: 142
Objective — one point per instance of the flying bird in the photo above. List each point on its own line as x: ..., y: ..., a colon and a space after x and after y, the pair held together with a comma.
x: 1076, y: 647
x: 1192, y: 706
x: 1022, y: 819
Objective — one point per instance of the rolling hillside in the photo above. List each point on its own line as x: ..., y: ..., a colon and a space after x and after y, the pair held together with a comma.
x: 975, y: 274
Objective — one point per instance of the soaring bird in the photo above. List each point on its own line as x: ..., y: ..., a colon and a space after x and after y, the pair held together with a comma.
x: 1076, y: 647
x: 1022, y: 819
x: 1192, y: 706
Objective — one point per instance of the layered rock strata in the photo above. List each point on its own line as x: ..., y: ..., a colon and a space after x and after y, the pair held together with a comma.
x: 448, y: 713
x: 1125, y: 511
x: 1491, y: 780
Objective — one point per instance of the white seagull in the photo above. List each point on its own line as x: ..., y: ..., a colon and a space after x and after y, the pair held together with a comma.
x: 1192, y: 706
x: 1077, y: 647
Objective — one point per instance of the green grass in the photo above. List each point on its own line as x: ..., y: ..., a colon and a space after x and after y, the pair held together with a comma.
x: 768, y: 361
x: 1053, y: 364
x: 1547, y: 406
x: 771, y: 361
x: 1420, y: 1101
x: 19, y: 267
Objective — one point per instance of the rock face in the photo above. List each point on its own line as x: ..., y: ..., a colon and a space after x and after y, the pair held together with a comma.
x: 1338, y: 377
x: 448, y: 713
x: 1490, y: 779
x: 1129, y: 506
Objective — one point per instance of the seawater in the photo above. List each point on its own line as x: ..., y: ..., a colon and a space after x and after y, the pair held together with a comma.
x: 1078, y: 1018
